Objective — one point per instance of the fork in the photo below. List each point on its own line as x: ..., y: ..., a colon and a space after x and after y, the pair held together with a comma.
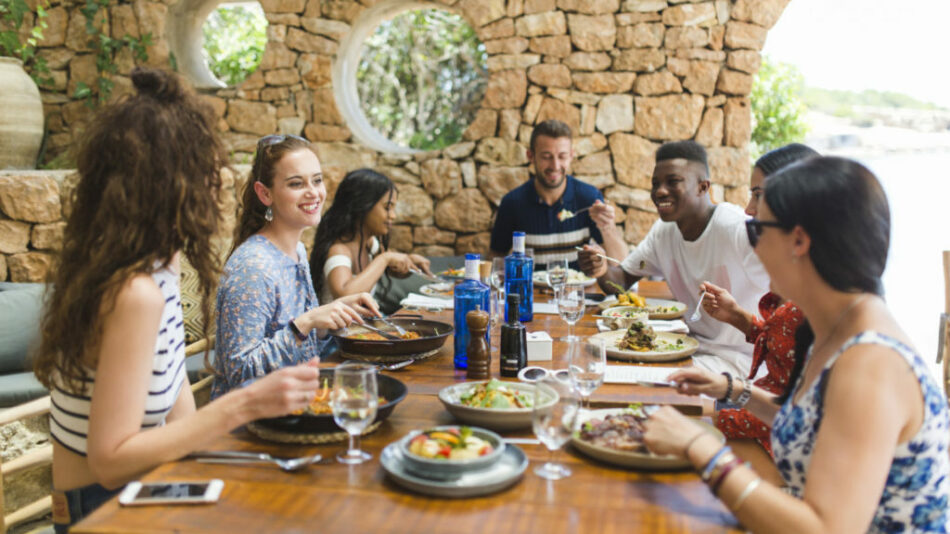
x: 385, y: 320
x: 576, y: 213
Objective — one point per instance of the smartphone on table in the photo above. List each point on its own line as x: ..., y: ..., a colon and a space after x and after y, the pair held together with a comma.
x: 142, y: 493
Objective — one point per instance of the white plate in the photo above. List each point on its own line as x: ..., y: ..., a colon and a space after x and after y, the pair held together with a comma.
x: 499, y: 419
x: 574, y: 277
x: 613, y: 337
x: 640, y: 460
x: 609, y: 307
x: 442, y: 290
x: 498, y: 476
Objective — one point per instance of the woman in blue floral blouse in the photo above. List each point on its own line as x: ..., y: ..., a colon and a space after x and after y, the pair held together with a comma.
x: 268, y: 315
x: 861, y: 435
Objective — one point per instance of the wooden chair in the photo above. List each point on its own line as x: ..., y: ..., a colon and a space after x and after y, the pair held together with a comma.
x: 44, y: 454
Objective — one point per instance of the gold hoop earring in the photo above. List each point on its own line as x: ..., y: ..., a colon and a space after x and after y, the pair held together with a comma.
x: 269, y: 214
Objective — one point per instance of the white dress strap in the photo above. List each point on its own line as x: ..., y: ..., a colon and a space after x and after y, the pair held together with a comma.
x: 339, y: 260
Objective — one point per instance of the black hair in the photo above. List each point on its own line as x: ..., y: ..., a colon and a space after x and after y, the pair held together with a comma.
x: 842, y: 207
x: 689, y: 150
x: 774, y: 160
x: 550, y: 128
x: 359, y: 191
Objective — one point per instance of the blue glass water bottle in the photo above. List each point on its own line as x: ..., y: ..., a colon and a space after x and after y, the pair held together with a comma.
x: 519, y: 273
x: 468, y: 295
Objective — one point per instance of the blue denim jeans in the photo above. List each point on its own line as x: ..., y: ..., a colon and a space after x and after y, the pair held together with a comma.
x: 79, y: 503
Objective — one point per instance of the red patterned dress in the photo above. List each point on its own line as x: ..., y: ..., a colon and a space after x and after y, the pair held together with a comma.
x: 774, y: 338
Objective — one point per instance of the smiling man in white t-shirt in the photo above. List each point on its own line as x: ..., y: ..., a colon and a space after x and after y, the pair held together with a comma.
x: 694, y: 241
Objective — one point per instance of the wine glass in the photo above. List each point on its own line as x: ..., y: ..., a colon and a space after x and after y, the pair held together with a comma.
x: 557, y: 273
x: 554, y: 423
x: 586, y: 363
x: 570, y: 306
x: 498, y: 273
x: 354, y: 400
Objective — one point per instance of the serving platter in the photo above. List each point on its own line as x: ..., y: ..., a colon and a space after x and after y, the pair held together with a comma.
x: 655, y: 308
x: 632, y: 459
x: 496, y: 477
x: 540, y: 278
x: 500, y: 419
x: 612, y: 338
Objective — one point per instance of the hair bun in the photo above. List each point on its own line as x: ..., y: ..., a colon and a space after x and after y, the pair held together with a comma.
x: 157, y: 83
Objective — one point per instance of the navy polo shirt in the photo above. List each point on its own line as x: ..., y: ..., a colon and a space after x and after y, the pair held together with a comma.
x: 523, y: 210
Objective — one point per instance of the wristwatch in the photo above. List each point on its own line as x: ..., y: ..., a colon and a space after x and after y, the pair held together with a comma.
x: 746, y: 394
x: 297, y: 333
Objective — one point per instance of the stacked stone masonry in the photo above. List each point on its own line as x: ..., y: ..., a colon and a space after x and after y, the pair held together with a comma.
x: 626, y: 75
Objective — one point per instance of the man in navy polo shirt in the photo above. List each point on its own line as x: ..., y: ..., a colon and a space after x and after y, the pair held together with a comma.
x: 533, y: 207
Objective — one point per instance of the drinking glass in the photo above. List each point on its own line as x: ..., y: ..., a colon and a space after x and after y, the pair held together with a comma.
x: 554, y: 423
x: 586, y: 363
x: 498, y: 273
x: 557, y: 273
x: 354, y: 400
x: 570, y: 306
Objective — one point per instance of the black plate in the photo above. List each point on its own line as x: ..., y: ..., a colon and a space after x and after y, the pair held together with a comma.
x: 388, y: 387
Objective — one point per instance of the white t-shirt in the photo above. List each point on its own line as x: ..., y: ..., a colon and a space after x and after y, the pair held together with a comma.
x: 721, y: 255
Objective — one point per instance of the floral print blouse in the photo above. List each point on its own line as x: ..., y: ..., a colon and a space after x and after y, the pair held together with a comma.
x: 916, y: 493
x: 774, y: 338
x: 261, y: 290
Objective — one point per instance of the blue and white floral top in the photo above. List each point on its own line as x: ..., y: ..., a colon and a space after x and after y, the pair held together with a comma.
x: 916, y: 494
x: 261, y: 290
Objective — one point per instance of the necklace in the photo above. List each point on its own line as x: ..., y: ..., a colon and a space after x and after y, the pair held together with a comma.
x: 837, y: 323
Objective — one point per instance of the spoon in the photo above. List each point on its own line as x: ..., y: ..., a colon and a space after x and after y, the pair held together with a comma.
x: 695, y: 316
x: 242, y: 457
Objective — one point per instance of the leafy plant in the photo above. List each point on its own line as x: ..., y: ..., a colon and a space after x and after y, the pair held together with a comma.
x: 778, y: 110
x: 105, y: 48
x: 234, y: 41
x: 421, y: 77
x: 12, y: 15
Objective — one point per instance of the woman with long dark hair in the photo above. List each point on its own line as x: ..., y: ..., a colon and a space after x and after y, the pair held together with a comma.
x: 350, y: 251
x: 112, y: 349
x: 860, y: 436
x: 268, y: 315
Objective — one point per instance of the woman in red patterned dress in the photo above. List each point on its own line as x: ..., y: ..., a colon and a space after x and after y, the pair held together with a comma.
x: 773, y: 334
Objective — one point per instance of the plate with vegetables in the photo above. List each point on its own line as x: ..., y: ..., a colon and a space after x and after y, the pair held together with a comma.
x: 495, y: 404
x: 615, y: 436
x: 640, y: 343
x: 447, y: 451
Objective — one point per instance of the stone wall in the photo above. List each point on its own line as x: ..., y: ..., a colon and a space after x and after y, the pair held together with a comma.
x: 627, y: 75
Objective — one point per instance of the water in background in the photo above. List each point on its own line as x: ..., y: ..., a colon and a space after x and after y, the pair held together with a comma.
x: 918, y: 189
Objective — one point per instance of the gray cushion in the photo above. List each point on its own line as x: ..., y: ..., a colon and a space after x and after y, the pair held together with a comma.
x: 195, y: 365
x: 401, y: 287
x: 17, y: 388
x: 20, y: 312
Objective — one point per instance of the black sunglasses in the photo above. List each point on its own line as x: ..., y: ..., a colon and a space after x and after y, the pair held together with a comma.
x: 754, y: 227
x: 274, y: 139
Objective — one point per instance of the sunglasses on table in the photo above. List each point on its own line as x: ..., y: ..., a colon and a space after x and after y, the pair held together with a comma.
x: 754, y: 227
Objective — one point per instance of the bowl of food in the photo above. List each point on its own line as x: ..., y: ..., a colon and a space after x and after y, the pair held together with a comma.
x: 448, y: 451
x: 493, y: 404
x: 624, y: 320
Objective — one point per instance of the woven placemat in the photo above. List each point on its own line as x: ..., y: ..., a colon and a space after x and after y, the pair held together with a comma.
x: 314, y: 439
x: 388, y: 358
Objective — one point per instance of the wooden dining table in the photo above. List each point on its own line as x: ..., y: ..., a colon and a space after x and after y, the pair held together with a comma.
x: 330, y: 497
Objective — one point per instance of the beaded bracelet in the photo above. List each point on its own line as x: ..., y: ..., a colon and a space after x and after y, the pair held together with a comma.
x: 750, y: 487
x: 725, y: 398
x: 707, y: 471
x: 723, y: 473
x: 746, y: 394
x: 297, y: 333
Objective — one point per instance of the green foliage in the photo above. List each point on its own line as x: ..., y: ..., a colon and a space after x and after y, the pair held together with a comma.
x: 234, y: 41
x: 421, y: 78
x: 12, y: 15
x: 777, y: 107
x: 105, y: 48
x: 841, y: 103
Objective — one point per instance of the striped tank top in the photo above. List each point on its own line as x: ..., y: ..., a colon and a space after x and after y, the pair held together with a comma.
x: 69, y: 413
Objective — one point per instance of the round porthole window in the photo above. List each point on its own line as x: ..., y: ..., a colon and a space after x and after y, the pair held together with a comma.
x: 410, y: 77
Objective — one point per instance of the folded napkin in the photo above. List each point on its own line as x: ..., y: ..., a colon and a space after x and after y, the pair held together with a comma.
x: 415, y: 300
x: 636, y: 374
x: 549, y: 308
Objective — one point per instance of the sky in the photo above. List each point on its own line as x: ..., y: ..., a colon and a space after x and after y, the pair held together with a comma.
x: 892, y: 45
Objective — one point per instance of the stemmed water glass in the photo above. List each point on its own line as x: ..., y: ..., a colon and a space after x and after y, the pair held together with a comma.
x: 586, y: 364
x: 553, y: 423
x: 557, y: 273
x: 354, y: 400
x: 570, y: 306
x: 497, y: 280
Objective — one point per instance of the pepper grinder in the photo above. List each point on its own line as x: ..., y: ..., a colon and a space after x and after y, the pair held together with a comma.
x: 479, y: 354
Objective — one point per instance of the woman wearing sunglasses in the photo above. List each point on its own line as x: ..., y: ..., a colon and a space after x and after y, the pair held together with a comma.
x: 350, y: 251
x: 268, y: 315
x: 772, y: 334
x: 860, y: 436
x: 113, y: 351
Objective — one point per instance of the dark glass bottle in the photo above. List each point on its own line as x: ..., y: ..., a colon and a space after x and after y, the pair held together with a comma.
x: 513, y: 350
